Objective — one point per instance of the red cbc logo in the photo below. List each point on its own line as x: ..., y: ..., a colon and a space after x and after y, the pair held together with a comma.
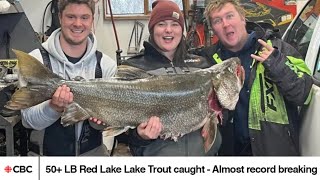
x: 7, y: 169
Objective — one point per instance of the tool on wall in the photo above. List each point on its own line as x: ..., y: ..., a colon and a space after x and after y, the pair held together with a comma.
x: 199, y: 33
x: 184, y: 10
x: 135, y: 39
x: 118, y: 51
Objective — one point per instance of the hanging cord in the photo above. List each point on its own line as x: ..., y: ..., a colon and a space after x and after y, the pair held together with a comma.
x: 43, y: 19
x: 14, y: 5
x: 119, y: 51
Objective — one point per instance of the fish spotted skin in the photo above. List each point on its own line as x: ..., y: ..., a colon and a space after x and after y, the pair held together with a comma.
x: 180, y: 101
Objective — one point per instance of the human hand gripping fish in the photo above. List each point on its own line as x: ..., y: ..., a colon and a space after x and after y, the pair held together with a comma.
x: 150, y: 129
x: 61, y: 98
x: 122, y: 104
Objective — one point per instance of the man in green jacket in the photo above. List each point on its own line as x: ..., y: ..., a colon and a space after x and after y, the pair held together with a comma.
x: 277, y: 81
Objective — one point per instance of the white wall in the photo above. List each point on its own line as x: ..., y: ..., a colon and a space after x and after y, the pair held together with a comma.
x: 34, y: 10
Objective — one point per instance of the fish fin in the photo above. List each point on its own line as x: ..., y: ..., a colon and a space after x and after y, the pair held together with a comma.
x: 209, y: 132
x: 115, y: 131
x: 33, y: 70
x: 25, y: 97
x: 125, y: 72
x: 73, y: 114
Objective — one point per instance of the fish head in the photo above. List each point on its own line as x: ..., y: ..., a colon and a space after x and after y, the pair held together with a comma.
x: 227, y: 79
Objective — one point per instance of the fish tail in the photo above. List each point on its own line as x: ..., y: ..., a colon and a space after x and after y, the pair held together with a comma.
x: 26, y: 97
x: 36, y: 83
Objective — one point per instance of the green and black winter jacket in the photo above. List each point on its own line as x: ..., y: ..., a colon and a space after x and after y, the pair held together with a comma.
x: 267, y: 114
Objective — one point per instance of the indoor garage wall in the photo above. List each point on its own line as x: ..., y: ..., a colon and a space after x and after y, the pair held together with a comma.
x: 103, y: 28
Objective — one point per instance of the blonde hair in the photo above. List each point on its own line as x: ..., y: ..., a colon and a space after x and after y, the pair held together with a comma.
x: 218, y: 4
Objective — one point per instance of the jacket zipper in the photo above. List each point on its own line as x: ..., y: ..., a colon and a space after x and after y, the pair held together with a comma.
x: 262, y: 94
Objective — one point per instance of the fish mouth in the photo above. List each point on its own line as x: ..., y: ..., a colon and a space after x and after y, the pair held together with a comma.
x: 214, y: 104
x: 240, y: 73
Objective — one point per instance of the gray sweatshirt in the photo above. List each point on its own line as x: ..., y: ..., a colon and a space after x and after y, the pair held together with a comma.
x: 42, y: 115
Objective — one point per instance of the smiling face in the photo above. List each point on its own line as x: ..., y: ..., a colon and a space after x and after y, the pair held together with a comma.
x: 167, y: 36
x: 76, y: 23
x: 229, y: 26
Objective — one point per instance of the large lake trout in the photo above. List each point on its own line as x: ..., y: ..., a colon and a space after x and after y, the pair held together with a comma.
x: 183, y: 102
